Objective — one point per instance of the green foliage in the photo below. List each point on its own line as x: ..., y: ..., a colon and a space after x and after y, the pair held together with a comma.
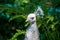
x: 19, y: 32
x: 13, y: 16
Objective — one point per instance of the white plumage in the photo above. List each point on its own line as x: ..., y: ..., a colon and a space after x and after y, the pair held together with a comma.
x: 32, y: 31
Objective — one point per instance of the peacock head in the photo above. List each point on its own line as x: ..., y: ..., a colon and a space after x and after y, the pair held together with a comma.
x: 31, y: 18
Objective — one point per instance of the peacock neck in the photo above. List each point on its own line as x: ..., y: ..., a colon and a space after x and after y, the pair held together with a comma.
x: 33, y: 24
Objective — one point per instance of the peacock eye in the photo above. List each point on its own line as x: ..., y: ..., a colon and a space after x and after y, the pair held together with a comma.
x: 32, y: 17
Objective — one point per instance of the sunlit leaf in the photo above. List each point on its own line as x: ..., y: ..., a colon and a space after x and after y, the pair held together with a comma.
x: 14, y: 17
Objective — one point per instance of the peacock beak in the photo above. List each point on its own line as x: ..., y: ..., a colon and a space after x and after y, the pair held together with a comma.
x: 26, y: 20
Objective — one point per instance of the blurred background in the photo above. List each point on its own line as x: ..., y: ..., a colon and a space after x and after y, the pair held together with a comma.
x: 13, y: 14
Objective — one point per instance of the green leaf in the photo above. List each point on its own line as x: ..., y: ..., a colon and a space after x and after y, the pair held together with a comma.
x: 19, y: 32
x: 14, y: 17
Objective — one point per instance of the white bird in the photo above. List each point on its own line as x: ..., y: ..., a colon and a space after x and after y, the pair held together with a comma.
x: 32, y: 31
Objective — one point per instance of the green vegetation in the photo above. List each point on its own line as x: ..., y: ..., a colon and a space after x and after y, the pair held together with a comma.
x: 13, y: 14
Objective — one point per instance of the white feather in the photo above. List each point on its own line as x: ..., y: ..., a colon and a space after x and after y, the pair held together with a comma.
x: 32, y: 31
